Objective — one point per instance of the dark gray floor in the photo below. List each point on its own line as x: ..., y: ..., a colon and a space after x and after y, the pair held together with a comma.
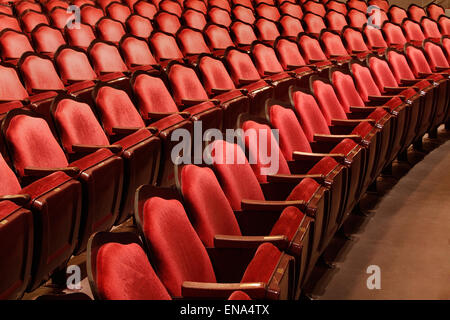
x: 407, y: 235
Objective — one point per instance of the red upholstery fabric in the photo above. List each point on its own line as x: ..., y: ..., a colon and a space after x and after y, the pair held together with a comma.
x: 218, y: 37
x: 365, y: 83
x: 153, y: 95
x: 314, y: 23
x: 165, y: 47
x: 337, y: 6
x: 328, y: 102
x: 232, y: 173
x: 435, y: 11
x: 374, y: 38
x: 170, y: 6
x: 436, y: 55
x: 243, y: 33
x: 8, y: 180
x: 124, y: 273
x: 430, y: 28
x: 215, y: 75
x: 263, y: 264
x: 9, y: 22
x: 47, y: 39
x: 110, y: 30
x: 145, y: 9
x: 139, y: 26
x: 292, y: 137
x: 40, y: 73
x: 74, y: 66
x: 11, y: 88
x: 336, y: 21
x: 243, y: 14
x: 266, y: 59
x: 195, y: 19
x: 33, y: 144
x: 268, y: 11
x: 416, y: 13
x: 356, y: 18
x: 136, y: 52
x: 196, y: 4
x: 267, y: 30
x: 210, y: 211
x: 31, y: 19
x: 81, y: 37
x: 186, y: 84
x: 14, y: 44
x: 307, y: 187
x: 117, y: 109
x: 106, y: 58
x: 290, y: 26
x: 192, y: 42
x: 399, y: 66
x: 397, y: 14
x: 444, y: 23
x: 311, y: 118
x: 292, y: 9
x: 394, y: 34
x: 289, y: 53
x: 413, y: 31
x: 90, y: 15
x: 314, y: 7
x: 345, y: 88
x: 179, y: 254
x: 255, y: 134
x: 382, y: 74
x: 118, y: 11
x: 333, y: 45
x: 311, y: 49
x: 357, y: 4
x: 241, y: 66
x: 220, y: 16
x: 418, y: 61
x: 60, y: 16
x: 288, y: 223
x: 354, y: 40
x: 167, y: 22
x: 78, y: 125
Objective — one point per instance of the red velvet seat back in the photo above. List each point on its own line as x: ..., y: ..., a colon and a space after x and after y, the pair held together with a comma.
x: 47, y: 39
x: 22, y: 6
x: 78, y: 125
x: 328, y: 101
x: 310, y: 117
x: 418, y: 61
x: 356, y: 18
x: 167, y: 22
x: 266, y: 59
x: 243, y: 14
x: 8, y: 180
x: 256, y: 135
x: 171, y: 6
x: 152, y: 95
x: 289, y: 53
x: 416, y: 13
x: 194, y: 19
x: 178, y: 253
x: 357, y: 4
x: 232, y: 172
x: 268, y: 11
x: 139, y: 26
x: 354, y: 40
x: 291, y: 9
x: 136, y: 52
x: 315, y: 7
x: 165, y: 47
x: 40, y: 74
x: 434, y: 11
x: 13, y: 44
x: 436, y: 56
x: 214, y: 75
x: 394, y: 34
x: 314, y: 23
x: 397, y: 14
x: 81, y: 37
x: 243, y: 33
x: 198, y: 5
x: 413, y: 31
x: 117, y: 109
x: 430, y: 28
x: 267, y: 30
x: 74, y: 65
x: 124, y: 273
x: 118, y: 11
x: 60, y: 16
x: 186, y: 84
x: 290, y: 26
x: 399, y: 66
x: 336, y: 6
x: 292, y: 137
x: 110, y: 30
x: 33, y: 144
x: 90, y: 15
x: 218, y: 37
x: 31, y: 19
x: 374, y: 38
x: 192, y: 42
x: 106, y: 58
x: 365, y: 84
x: 145, y: 9
x: 7, y: 21
x: 223, y: 4
x: 10, y: 86
x: 336, y: 21
x: 241, y: 66
x: 311, y: 49
x: 219, y: 16
x: 56, y: 3
x: 332, y: 44
x: 382, y: 73
x: 209, y: 209
x: 346, y: 90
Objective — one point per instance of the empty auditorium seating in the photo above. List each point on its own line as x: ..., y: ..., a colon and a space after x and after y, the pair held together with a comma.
x: 80, y: 37
x: 110, y: 30
x: 13, y: 45
x: 194, y: 19
x: 167, y: 22
x: 47, y: 39
x: 290, y: 26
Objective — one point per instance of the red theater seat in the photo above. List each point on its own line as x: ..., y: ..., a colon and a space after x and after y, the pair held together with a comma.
x: 219, y: 16
x: 165, y: 47
x: 110, y: 30
x: 244, y: 14
x: 290, y: 26
x: 47, y: 39
x: 90, y: 14
x: 13, y: 45
x: 145, y: 9
x: 81, y: 37
x: 194, y: 19
x: 139, y: 26
x: 167, y: 22
x: 118, y: 11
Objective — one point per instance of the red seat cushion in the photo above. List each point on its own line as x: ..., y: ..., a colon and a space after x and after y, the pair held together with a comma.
x: 263, y: 264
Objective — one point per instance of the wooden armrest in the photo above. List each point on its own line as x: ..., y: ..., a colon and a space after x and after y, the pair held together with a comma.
x: 441, y: 69
x: 367, y: 109
x: 382, y: 99
x: 217, y: 91
x: 257, y: 205
x: 315, y: 60
x: 350, y: 122
x: 19, y: 199
x: 425, y: 74
x: 161, y: 115
x: 293, y: 66
x: 297, y: 155
x: 336, y: 137
x: 270, y: 73
x: 395, y: 89
x: 225, y: 241
x: 115, y: 148
x: 124, y: 130
x: 378, y: 47
x: 190, y: 289
x: 289, y: 178
x: 243, y: 82
x: 358, y: 51
x: 42, y: 172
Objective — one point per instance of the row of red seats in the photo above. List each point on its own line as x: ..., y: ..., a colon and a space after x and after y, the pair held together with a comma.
x: 152, y: 100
